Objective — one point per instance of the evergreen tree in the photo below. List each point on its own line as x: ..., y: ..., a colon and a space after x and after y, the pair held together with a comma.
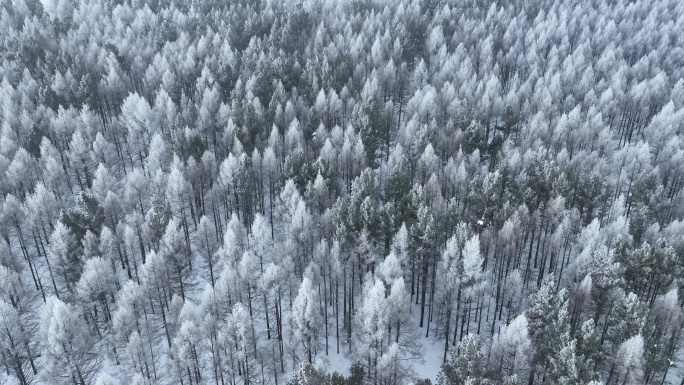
x: 467, y: 365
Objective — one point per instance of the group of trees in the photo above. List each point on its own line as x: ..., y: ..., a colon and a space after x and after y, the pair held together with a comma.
x: 230, y: 192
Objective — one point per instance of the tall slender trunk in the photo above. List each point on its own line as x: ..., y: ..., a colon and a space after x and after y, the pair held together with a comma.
x: 325, y: 305
x: 458, y: 304
x: 423, y: 290
x: 47, y: 261
x: 337, y: 314
x: 446, y: 333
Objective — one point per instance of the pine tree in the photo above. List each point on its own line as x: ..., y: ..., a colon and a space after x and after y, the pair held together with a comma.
x: 549, y: 330
x: 467, y: 365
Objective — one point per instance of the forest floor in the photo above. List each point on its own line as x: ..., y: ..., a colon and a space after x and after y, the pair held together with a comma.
x: 427, y: 365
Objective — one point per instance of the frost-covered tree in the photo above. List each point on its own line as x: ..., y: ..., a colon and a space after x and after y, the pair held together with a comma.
x: 179, y: 197
x: 95, y: 291
x: 63, y: 257
x: 450, y: 273
x: 628, y: 367
x: 306, y: 320
x: 467, y: 365
x: 445, y: 155
x: 665, y: 324
x: 239, y: 341
x: 174, y: 251
x: 511, y: 347
x: 106, y: 379
x: 68, y: 348
x: 549, y: 330
x: 19, y: 352
x: 472, y: 281
x: 187, y: 346
x: 371, y: 325
x: 207, y: 246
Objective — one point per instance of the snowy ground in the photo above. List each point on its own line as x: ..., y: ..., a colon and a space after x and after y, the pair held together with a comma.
x: 428, y: 366
x: 431, y: 348
x: 432, y: 359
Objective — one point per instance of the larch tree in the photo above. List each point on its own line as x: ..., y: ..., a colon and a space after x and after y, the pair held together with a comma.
x: 664, y: 327
x: 64, y: 258
x: 207, y: 245
x: 450, y: 274
x: 179, y: 196
x: 18, y: 350
x: 132, y: 330
x: 136, y: 113
x: 369, y: 336
x: 95, y: 290
x: 305, y: 320
x: 69, y: 349
x: 472, y: 282
x: 510, y: 349
x: 187, y: 346
x: 173, y: 248
x: 628, y: 365
x: 239, y: 341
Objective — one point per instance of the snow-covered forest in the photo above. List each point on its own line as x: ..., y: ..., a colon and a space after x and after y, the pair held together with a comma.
x: 346, y: 192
